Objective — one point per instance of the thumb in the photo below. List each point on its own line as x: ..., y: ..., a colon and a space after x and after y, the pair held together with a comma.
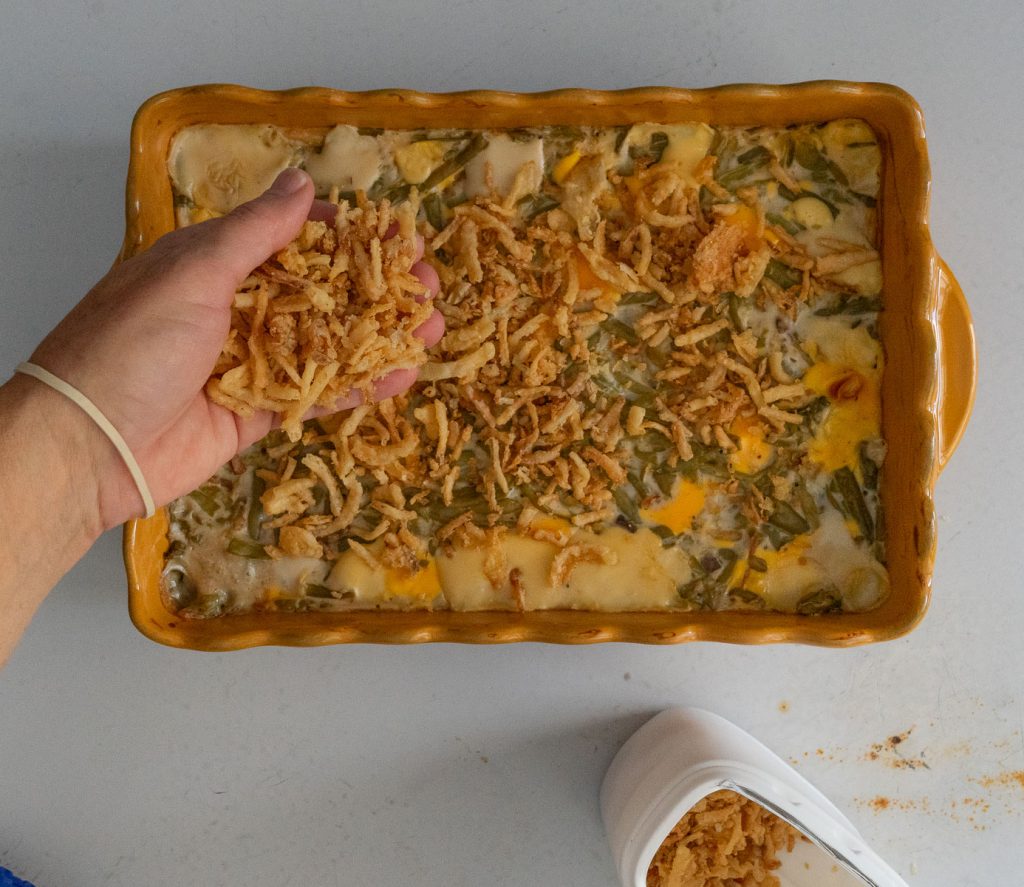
x: 252, y: 232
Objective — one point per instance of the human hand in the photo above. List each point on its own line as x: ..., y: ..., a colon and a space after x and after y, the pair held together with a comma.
x: 144, y: 340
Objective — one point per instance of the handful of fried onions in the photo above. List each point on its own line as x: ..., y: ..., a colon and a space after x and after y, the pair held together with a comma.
x: 329, y: 314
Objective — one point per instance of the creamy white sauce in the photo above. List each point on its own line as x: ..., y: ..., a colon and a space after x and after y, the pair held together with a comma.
x: 220, y: 166
x: 830, y: 557
x: 645, y: 575
x: 688, y: 145
x: 348, y: 160
x: 840, y: 342
x: 504, y: 157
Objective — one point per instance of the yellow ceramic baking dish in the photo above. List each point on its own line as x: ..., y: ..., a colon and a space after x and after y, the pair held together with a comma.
x: 925, y: 327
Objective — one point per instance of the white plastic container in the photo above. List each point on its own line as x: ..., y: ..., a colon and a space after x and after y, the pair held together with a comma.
x: 684, y: 754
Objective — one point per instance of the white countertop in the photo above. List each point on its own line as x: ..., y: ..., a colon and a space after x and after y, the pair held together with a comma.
x: 126, y: 763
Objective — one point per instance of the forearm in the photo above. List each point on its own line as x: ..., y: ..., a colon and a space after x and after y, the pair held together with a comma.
x: 52, y: 463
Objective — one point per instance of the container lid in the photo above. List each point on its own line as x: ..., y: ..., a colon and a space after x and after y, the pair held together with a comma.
x: 684, y: 754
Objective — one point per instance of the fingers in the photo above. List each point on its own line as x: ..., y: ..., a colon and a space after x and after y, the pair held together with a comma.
x: 251, y: 233
x: 252, y: 428
x: 322, y: 211
x: 426, y: 275
x: 432, y: 329
x: 394, y: 383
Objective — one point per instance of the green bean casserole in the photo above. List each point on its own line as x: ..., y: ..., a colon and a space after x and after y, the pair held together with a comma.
x: 659, y: 385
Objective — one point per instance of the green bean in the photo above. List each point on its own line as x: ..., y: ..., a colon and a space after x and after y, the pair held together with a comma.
x: 439, y: 135
x: 255, y: 512
x: 758, y: 153
x: 781, y: 274
x: 724, y: 147
x: 790, y: 226
x: 639, y: 298
x: 738, y: 174
x: 397, y: 192
x: 564, y: 132
x: 748, y: 597
x: 788, y: 147
x: 620, y: 330
x: 247, y: 548
x: 837, y: 172
x: 638, y: 485
x: 729, y: 560
x: 659, y: 355
x: 809, y: 157
x: 868, y: 468
x: 716, y: 142
x: 818, y: 602
x: 455, y: 163
x: 813, y: 411
x: 643, y: 395
x: 695, y: 592
x: 788, y: 519
x: 433, y: 208
x: 734, y: 311
x: 652, y: 152
x: 778, y: 538
x: 521, y: 134
x: 822, y: 168
x: 853, y: 498
x: 533, y: 205
x: 208, y: 498
x: 665, y: 481
x: 808, y: 507
x: 207, y: 607
x: 852, y: 305
x: 832, y: 208
x: 654, y: 443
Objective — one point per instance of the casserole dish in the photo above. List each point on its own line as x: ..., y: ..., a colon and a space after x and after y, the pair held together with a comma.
x: 925, y: 331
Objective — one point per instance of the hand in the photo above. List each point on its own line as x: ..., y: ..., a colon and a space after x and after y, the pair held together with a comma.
x: 143, y: 342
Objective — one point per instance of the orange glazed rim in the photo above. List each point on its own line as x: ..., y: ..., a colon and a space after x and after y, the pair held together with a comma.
x: 925, y: 328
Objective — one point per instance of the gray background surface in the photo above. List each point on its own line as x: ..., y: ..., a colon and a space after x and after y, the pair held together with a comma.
x: 125, y: 763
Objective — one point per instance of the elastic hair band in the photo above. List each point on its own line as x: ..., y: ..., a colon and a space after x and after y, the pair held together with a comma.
x: 94, y: 413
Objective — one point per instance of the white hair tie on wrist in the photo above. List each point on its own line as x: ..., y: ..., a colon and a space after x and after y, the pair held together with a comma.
x: 105, y: 425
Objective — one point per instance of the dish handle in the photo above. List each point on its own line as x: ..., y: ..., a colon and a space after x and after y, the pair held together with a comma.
x: 958, y: 362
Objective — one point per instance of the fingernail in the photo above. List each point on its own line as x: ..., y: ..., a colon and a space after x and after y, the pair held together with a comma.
x: 289, y: 181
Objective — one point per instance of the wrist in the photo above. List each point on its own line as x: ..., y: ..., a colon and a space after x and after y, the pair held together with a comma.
x: 70, y: 468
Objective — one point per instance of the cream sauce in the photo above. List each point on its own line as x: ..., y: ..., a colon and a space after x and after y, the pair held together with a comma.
x: 220, y: 166
x: 645, y: 575
x: 503, y: 158
x: 688, y: 145
x: 348, y: 160
x: 828, y: 557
